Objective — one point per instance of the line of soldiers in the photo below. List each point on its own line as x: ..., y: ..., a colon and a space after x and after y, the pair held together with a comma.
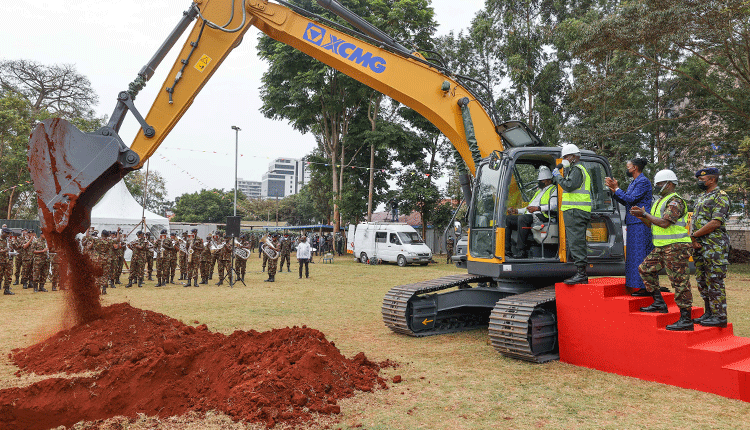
x: 34, y: 263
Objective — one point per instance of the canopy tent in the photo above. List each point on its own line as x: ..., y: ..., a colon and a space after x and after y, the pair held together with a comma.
x: 118, y: 208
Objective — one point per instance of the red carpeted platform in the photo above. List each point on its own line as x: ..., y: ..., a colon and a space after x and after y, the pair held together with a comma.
x: 600, y: 327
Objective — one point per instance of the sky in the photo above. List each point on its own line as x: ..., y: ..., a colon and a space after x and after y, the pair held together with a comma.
x: 109, y: 42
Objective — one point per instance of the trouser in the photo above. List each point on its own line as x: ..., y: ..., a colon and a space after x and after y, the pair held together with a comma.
x: 449, y: 254
x: 710, y: 280
x: 224, y: 265
x: 240, y: 266
x: 120, y: 265
x: 172, y: 266
x: 55, y: 274
x: 183, y: 265
x: 160, y: 267
x: 150, y: 264
x: 265, y: 260
x: 674, y: 259
x: 206, y: 266
x: 576, y: 223
x: 522, y: 224
x: 27, y: 270
x: 136, y: 269
x: 40, y: 270
x: 19, y: 265
x: 272, y: 267
x: 6, y: 273
x: 304, y: 262
x: 193, y: 266
x: 284, y: 257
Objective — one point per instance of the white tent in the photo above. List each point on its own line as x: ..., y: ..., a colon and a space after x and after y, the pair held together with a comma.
x: 118, y: 208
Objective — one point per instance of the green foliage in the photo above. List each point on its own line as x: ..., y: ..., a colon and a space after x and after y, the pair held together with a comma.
x: 16, y: 118
x: 156, y: 195
x: 212, y: 206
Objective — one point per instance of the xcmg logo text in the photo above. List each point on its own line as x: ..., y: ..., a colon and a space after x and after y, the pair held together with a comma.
x: 315, y: 35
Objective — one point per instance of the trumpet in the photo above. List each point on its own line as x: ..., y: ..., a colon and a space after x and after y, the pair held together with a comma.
x: 268, y: 249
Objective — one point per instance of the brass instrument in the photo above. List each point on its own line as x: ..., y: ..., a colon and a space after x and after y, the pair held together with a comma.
x: 241, y: 252
x: 190, y: 252
x: 216, y: 246
x: 183, y: 248
x: 268, y: 249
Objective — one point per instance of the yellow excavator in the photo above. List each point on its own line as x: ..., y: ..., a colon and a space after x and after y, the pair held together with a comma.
x: 513, y: 296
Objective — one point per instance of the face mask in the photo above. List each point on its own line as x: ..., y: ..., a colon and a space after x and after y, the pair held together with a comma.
x: 662, y: 191
x: 628, y: 173
x: 702, y: 186
x: 540, y: 184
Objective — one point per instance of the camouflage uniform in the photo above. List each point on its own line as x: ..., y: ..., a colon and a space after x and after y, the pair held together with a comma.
x: 55, y: 271
x: 195, y: 259
x: 206, y: 259
x: 173, y: 251
x: 120, y: 260
x: 253, y: 243
x: 28, y: 261
x: 40, y: 263
x: 18, y: 247
x: 272, y: 263
x: 711, y: 259
x: 137, y: 261
x: 214, y: 260
x: 149, y: 266
x: 240, y: 264
x: 224, y: 256
x: 449, y: 249
x: 100, y: 255
x: 159, y: 259
x: 6, y: 267
x: 183, y: 258
x: 170, y: 258
x: 286, y: 251
x: 673, y: 257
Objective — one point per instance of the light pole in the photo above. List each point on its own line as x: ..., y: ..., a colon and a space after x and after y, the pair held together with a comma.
x: 236, y: 152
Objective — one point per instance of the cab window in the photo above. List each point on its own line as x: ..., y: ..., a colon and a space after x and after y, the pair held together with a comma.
x: 601, y: 201
x: 394, y: 239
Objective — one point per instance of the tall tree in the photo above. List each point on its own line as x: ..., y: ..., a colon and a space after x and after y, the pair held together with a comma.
x: 207, y: 206
x: 16, y: 118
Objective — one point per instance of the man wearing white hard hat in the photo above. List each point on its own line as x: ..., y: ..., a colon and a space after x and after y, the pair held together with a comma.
x: 672, y: 249
x: 576, y: 208
x: 541, y: 206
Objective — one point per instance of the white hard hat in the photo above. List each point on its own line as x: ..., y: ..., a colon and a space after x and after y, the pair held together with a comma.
x: 665, y: 175
x: 544, y: 173
x: 569, y: 149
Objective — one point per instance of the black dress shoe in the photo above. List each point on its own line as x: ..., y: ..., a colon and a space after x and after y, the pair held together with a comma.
x: 641, y: 292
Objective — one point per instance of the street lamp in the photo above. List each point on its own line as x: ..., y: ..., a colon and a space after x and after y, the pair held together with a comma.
x: 236, y: 152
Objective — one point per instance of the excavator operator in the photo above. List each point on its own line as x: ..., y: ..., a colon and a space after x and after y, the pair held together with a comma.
x: 541, y: 208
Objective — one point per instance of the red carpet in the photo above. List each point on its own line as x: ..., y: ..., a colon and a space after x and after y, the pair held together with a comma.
x: 600, y: 327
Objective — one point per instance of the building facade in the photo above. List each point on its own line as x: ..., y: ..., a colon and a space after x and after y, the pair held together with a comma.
x: 285, y: 176
x: 251, y: 189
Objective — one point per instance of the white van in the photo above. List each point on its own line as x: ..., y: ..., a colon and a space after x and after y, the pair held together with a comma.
x: 387, y: 241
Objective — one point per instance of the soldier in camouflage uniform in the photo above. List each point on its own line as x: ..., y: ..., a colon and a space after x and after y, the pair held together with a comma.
x: 195, y: 244
x: 265, y: 256
x: 28, y: 259
x: 55, y: 257
x: 160, y: 258
x: 137, y: 261
x: 711, y: 247
x: 18, y: 247
x: 120, y: 256
x: 286, y: 252
x: 672, y: 249
x: 449, y: 249
x: 171, y: 247
x: 240, y: 264
x: 214, y: 258
x: 39, y: 250
x: 150, y: 256
x: 183, y: 256
x: 253, y: 243
x: 6, y: 264
x: 206, y: 259
x: 100, y: 251
x: 114, y: 256
x: 224, y: 256
x: 271, y: 261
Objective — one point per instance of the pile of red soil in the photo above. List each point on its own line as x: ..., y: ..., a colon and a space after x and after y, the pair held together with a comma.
x: 156, y: 365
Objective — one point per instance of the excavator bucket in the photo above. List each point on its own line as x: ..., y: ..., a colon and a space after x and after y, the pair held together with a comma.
x: 72, y: 170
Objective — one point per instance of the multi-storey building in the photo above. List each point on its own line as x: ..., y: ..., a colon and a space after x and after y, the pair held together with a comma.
x: 251, y: 189
x: 285, y: 176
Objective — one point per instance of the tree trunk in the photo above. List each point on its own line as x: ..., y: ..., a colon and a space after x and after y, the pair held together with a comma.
x: 372, y: 115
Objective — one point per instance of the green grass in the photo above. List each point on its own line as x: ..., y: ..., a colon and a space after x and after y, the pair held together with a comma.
x: 449, y: 382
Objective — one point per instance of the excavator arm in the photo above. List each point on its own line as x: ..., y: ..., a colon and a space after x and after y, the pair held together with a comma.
x: 71, y: 170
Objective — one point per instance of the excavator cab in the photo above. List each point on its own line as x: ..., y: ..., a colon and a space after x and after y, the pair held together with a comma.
x: 508, y: 186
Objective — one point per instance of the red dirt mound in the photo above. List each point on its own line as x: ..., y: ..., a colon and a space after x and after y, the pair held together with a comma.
x: 156, y: 365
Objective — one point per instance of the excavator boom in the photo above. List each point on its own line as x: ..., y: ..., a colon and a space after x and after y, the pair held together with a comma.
x: 72, y: 170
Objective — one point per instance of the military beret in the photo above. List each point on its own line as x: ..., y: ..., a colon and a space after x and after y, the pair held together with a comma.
x: 140, y: 233
x: 148, y: 233
x: 195, y: 230
x: 173, y: 234
x: 707, y: 171
x: 164, y: 232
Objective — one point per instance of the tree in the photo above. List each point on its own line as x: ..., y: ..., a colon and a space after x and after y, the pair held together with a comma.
x: 418, y: 193
x: 315, y: 98
x: 16, y: 118
x: 207, y: 206
x: 58, y: 90
x: 155, y: 194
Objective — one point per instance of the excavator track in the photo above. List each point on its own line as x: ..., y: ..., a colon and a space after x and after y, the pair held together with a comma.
x: 524, y: 326
x: 410, y: 310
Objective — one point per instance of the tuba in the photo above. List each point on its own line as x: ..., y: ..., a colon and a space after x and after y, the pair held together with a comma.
x: 241, y: 252
x: 270, y: 252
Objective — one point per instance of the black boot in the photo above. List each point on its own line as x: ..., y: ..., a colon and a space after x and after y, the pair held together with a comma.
x: 104, y: 290
x: 264, y: 269
x: 204, y: 281
x: 707, y: 313
x: 270, y: 279
x: 140, y: 282
x: 641, y: 292
x: 221, y: 281
x: 579, y: 278
x: 714, y: 321
x: 130, y: 283
x: 172, y: 280
x: 188, y: 283
x: 112, y: 284
x: 158, y: 282
x: 41, y: 288
x: 658, y: 305
x: 25, y: 284
x: 195, y: 281
x: 16, y: 283
x: 33, y: 285
x: 117, y: 281
x: 685, y: 323
x: 7, y: 291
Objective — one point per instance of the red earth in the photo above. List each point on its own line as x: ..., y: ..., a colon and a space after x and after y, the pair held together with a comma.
x: 156, y: 365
